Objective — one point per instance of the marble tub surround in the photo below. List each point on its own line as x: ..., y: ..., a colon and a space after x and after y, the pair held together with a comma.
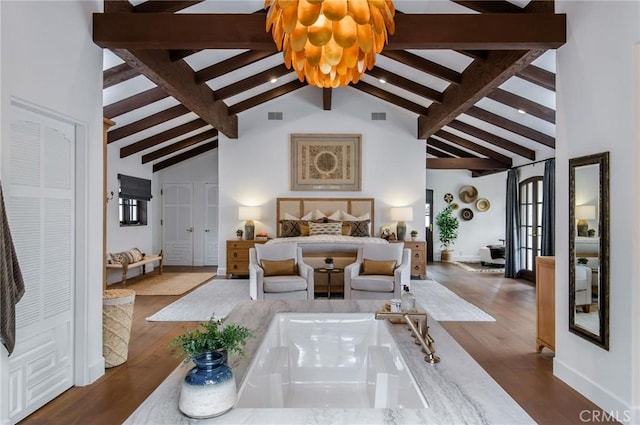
x: 457, y: 389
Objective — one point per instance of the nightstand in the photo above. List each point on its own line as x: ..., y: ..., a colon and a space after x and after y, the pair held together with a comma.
x: 238, y: 256
x: 418, y: 257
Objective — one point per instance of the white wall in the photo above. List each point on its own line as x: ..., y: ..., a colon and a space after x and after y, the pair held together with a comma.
x: 49, y: 60
x: 486, y: 227
x: 597, y: 99
x: 127, y: 237
x: 254, y: 169
x: 197, y: 171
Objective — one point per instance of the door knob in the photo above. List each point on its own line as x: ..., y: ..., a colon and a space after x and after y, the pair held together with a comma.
x: 207, y: 230
x: 190, y: 229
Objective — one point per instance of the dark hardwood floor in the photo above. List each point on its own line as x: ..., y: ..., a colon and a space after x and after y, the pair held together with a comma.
x: 504, y: 348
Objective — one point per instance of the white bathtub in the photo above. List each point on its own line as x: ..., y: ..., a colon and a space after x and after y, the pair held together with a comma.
x: 341, y: 360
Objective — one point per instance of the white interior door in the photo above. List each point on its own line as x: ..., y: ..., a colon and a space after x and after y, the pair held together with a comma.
x: 39, y: 195
x: 211, y: 225
x: 177, y: 224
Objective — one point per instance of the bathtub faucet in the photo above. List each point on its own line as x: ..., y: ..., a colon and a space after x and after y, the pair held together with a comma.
x: 417, y: 322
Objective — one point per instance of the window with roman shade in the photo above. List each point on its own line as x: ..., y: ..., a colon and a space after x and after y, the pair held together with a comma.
x: 134, y: 193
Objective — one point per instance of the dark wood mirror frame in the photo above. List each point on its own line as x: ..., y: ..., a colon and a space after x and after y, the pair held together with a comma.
x: 602, y: 160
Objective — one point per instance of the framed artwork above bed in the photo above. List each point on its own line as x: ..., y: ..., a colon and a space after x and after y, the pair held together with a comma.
x: 326, y: 162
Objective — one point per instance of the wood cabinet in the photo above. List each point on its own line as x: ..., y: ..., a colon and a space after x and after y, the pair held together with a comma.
x: 418, y: 257
x: 545, y: 303
x: 238, y: 256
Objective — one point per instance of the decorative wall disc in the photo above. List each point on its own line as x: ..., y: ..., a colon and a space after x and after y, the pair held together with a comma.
x: 454, y: 206
x: 468, y: 194
x: 448, y: 198
x: 483, y: 204
x: 466, y: 214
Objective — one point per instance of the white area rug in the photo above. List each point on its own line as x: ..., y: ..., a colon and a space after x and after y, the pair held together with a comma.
x: 444, y: 305
x: 220, y: 295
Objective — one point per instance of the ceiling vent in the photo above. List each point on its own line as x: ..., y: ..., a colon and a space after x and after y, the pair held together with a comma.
x: 275, y: 116
x: 378, y: 116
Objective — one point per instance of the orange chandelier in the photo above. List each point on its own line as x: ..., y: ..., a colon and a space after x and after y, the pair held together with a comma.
x: 330, y: 42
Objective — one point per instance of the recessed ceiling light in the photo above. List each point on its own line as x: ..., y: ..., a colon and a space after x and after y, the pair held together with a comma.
x: 382, y: 80
x: 522, y: 111
x: 273, y: 80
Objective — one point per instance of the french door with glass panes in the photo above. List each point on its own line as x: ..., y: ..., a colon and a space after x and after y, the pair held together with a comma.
x: 530, y: 226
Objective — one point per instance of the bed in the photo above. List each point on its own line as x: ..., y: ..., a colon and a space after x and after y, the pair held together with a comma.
x: 356, y: 226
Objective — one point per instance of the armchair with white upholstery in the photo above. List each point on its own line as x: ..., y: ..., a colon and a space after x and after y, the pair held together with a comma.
x: 583, y: 287
x: 379, y: 272
x: 278, y: 272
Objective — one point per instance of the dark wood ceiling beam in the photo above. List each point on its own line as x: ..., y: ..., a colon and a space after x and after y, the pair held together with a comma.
x: 464, y: 163
x: 177, y: 79
x: 512, y: 126
x: 478, y: 80
x: 157, y: 139
x: 326, y: 98
x: 405, y: 83
x: 147, y: 122
x: 178, y: 146
x: 449, y: 149
x: 493, y: 139
x: 468, y: 144
x: 389, y: 97
x: 267, y: 96
x: 424, y: 65
x: 523, y: 104
x: 246, y: 31
x: 231, y: 64
x: 185, y: 156
x: 491, y: 6
x: 163, y: 6
x: 117, y: 74
x: 475, y: 54
x: 134, y: 102
x: 251, y: 82
x: 538, y: 76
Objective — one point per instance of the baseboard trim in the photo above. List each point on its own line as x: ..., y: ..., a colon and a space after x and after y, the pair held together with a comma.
x: 613, y: 406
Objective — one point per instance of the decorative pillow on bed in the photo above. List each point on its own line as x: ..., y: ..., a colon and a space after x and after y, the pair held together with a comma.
x: 307, y: 216
x: 279, y: 268
x: 378, y: 267
x: 334, y: 216
x: 289, y: 228
x: 349, y: 217
x: 356, y: 228
x: 325, y: 228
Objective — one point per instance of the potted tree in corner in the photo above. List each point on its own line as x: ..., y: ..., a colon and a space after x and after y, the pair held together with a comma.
x: 448, y: 225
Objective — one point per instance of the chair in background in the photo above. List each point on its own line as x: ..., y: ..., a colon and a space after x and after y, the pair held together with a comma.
x: 583, y: 288
x: 277, y: 271
x: 379, y: 272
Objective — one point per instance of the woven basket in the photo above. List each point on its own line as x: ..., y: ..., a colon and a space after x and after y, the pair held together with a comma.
x: 117, y: 313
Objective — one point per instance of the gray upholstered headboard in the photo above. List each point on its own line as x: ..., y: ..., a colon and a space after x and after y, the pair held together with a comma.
x: 301, y: 206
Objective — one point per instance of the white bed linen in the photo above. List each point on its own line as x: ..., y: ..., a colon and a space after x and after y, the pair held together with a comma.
x: 328, y: 243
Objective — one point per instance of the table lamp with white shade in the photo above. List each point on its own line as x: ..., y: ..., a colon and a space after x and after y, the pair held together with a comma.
x: 249, y: 214
x: 401, y: 215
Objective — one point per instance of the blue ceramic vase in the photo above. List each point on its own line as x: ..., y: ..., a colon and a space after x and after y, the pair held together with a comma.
x: 209, y: 389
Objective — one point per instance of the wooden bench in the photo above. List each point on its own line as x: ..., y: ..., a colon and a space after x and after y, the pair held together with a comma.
x: 126, y: 266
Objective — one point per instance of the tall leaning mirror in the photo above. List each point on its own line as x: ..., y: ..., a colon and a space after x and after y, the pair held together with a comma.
x: 589, y: 248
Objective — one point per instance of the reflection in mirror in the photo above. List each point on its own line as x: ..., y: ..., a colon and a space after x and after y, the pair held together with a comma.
x: 588, y: 248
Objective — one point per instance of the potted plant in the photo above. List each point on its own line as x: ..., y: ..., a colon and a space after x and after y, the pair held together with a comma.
x: 328, y: 263
x: 239, y: 233
x: 448, y: 225
x: 211, y: 378
x: 414, y: 235
x: 212, y: 336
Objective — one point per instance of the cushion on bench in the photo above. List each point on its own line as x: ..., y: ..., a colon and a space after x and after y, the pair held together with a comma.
x: 131, y: 256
